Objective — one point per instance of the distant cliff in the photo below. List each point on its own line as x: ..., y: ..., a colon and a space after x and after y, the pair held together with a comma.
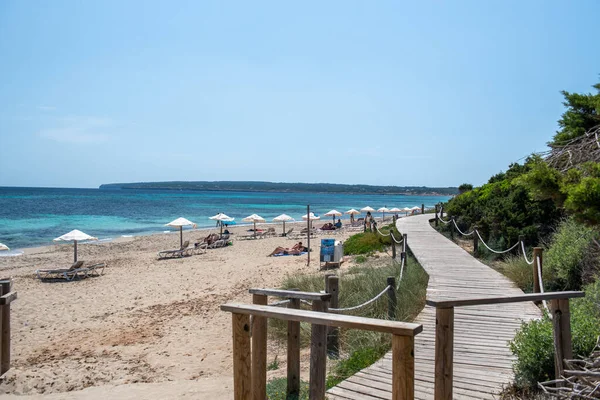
x: 243, y: 186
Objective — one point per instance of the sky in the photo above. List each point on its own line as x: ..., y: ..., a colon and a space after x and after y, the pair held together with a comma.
x: 431, y: 93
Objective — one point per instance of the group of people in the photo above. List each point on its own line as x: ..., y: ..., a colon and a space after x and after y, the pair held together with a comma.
x: 369, y: 223
x: 296, y: 250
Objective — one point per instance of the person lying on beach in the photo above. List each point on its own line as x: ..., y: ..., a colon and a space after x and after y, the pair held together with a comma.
x: 295, y: 250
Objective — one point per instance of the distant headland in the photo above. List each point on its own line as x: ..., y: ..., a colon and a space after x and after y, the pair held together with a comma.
x: 256, y: 186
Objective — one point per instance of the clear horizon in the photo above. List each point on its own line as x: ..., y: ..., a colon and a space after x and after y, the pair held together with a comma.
x: 395, y: 93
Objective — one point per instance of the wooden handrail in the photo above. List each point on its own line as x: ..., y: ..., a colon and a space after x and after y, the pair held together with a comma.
x: 291, y: 294
x: 444, y: 332
x: 319, y: 318
x: 500, y: 300
x: 249, y: 344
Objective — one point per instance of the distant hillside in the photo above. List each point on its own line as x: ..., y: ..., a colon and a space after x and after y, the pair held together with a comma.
x: 283, y: 187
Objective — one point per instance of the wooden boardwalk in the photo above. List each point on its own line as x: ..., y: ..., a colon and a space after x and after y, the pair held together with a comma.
x: 482, y: 359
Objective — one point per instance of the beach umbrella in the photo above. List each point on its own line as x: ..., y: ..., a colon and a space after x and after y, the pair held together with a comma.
x: 180, y: 223
x: 220, y: 217
x: 383, y: 210
x: 333, y: 213
x: 352, y: 213
x: 3, y: 247
x: 395, y: 210
x: 283, y: 218
x: 254, y: 218
x: 367, y: 208
x: 310, y: 217
x: 74, y: 236
x: 415, y: 208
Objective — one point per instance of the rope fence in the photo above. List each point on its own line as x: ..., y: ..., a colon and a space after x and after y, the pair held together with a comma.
x: 525, y: 253
x: 366, y: 303
x: 539, y: 273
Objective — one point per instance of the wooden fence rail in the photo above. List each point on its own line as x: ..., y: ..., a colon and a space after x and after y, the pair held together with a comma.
x: 444, y: 332
x: 250, y: 377
x: 7, y: 296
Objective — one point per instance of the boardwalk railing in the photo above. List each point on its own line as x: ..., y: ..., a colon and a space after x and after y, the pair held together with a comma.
x: 444, y: 332
x: 250, y: 344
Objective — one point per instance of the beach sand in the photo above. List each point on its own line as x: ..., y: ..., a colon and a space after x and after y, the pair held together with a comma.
x: 146, y: 328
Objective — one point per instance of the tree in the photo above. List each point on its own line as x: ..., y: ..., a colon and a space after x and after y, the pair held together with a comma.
x: 465, y: 187
x: 582, y: 114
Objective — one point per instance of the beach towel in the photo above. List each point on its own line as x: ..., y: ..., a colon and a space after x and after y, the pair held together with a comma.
x: 283, y: 254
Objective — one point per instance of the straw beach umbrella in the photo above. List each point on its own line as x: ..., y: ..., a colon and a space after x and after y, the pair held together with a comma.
x: 415, y: 208
x: 406, y: 210
x: 310, y: 217
x: 180, y: 223
x: 333, y: 213
x: 283, y: 218
x: 352, y: 213
x: 4, y: 247
x: 367, y: 209
x: 221, y: 218
x: 254, y: 218
x: 383, y: 210
x: 74, y: 236
x: 395, y: 210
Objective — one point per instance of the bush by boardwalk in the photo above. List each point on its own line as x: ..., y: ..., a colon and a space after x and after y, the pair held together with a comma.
x: 554, y: 202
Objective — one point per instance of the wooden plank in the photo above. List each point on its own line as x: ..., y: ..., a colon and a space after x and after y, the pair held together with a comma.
x: 259, y: 352
x: 403, y: 368
x: 291, y: 294
x: 318, y: 355
x: 342, y: 321
x: 507, y: 299
x: 293, y: 353
x: 242, y: 377
x: 444, y: 352
x: 8, y: 298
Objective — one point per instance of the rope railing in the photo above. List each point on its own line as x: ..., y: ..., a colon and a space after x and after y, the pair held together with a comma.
x: 539, y: 273
x: 495, y: 251
x: 461, y: 232
x: 394, y: 238
x: 366, y: 303
x: 279, y: 303
x: 525, y: 253
x: 401, y: 272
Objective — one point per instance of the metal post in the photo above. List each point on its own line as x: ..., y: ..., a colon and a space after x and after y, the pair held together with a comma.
x: 308, y: 240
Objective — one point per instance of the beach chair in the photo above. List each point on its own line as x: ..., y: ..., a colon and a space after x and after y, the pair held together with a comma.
x: 94, y: 270
x: 271, y: 232
x: 217, y: 244
x: 61, y: 273
x: 200, y: 248
x: 288, y: 233
x: 182, y: 251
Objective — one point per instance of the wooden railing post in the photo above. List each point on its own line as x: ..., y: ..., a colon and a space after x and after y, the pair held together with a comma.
x: 393, y: 246
x: 451, y: 227
x: 561, y: 321
x: 403, y: 258
x: 293, y: 353
x: 475, y: 242
x: 444, y: 348
x: 403, y: 367
x: 6, y: 286
x: 436, y: 216
x: 242, y: 377
x: 318, y: 355
x: 404, y: 242
x: 392, y: 301
x: 422, y: 208
x: 537, y: 255
x: 332, y: 287
x: 259, y: 352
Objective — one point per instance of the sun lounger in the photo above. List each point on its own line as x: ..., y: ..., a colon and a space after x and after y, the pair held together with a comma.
x: 288, y: 233
x: 199, y: 249
x: 217, y: 244
x: 182, y: 251
x: 77, y: 270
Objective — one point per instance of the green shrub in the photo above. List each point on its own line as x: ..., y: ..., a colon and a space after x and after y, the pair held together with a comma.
x: 358, y: 360
x: 566, y: 253
x: 364, y: 243
x: 533, y: 343
x: 277, y: 388
x: 360, y: 259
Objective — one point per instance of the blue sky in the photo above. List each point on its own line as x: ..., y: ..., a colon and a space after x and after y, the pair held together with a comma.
x: 388, y: 92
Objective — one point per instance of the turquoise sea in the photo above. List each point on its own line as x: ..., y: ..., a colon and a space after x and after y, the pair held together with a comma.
x: 32, y: 217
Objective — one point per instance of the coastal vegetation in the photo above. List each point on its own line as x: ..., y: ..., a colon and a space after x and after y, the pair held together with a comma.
x: 552, y: 200
x: 360, y: 283
x: 252, y: 186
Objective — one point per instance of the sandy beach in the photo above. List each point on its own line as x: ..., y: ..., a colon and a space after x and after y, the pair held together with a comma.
x: 146, y: 328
